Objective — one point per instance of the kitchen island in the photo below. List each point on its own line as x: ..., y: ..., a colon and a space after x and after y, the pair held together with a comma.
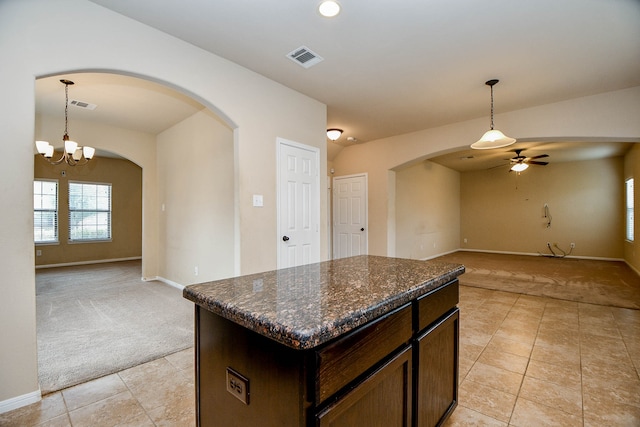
x: 365, y: 340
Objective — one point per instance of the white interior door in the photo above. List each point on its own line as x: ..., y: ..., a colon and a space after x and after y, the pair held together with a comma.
x: 298, y: 204
x: 350, y: 216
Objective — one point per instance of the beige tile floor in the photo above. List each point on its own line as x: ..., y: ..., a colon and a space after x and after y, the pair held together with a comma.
x: 536, y: 361
x: 524, y: 361
x: 157, y: 393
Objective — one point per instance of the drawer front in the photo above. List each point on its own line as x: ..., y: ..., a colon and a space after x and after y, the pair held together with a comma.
x: 435, y: 304
x: 344, y: 360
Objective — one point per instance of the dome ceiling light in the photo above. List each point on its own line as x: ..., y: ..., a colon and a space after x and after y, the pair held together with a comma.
x: 329, y: 8
x: 334, y: 134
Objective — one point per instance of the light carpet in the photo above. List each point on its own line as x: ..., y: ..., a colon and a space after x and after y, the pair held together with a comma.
x: 611, y: 283
x: 98, y: 319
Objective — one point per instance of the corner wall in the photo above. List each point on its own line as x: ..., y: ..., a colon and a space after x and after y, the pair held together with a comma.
x: 196, y: 195
x: 427, y: 205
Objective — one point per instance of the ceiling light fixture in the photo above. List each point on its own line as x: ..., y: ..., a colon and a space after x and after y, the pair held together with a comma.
x: 493, y: 138
x: 519, y: 167
x: 329, y: 8
x: 72, y: 154
x: 334, y: 134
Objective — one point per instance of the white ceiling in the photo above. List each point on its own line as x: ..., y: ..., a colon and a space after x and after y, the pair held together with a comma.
x: 121, y: 101
x: 389, y: 67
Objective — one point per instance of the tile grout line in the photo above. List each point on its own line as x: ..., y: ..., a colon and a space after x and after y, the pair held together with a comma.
x: 136, y: 398
x: 528, y: 361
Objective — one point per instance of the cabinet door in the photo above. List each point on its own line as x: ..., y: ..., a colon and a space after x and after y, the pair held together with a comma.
x: 383, y: 399
x: 437, y: 381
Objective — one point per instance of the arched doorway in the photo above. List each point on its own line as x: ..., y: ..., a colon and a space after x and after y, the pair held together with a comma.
x: 151, y: 125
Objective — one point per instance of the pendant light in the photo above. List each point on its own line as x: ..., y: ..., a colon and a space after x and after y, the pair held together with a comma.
x: 493, y: 138
x: 72, y: 154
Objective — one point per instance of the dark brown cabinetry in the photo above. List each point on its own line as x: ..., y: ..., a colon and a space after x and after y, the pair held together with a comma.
x: 397, y: 370
x: 437, y: 380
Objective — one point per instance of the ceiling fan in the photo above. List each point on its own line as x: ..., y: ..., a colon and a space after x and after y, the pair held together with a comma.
x: 520, y: 162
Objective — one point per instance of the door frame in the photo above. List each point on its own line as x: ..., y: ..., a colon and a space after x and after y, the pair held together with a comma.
x: 317, y: 200
x: 365, y: 177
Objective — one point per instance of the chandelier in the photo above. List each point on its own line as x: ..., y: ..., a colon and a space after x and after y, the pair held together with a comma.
x: 492, y: 138
x: 72, y: 154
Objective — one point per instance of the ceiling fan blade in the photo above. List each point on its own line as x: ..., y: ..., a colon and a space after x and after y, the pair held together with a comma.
x: 538, y: 163
x: 540, y: 156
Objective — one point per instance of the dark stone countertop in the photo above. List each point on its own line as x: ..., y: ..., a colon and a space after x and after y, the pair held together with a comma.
x: 303, y: 307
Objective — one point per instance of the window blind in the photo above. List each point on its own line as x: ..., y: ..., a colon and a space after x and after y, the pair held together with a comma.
x: 89, y: 211
x: 45, y: 211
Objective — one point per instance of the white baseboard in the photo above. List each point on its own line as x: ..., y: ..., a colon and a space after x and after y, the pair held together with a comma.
x: 438, y: 255
x: 98, y: 261
x: 163, y: 280
x: 540, y: 254
x: 20, y: 401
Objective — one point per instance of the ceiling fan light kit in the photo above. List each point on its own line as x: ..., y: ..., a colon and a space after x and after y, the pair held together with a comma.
x: 493, y: 138
x: 519, y: 167
x: 521, y: 163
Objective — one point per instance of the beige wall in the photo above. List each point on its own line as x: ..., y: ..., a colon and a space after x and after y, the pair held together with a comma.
x: 504, y: 211
x: 427, y: 205
x: 125, y: 178
x: 257, y: 109
x: 632, y: 170
x: 197, y: 223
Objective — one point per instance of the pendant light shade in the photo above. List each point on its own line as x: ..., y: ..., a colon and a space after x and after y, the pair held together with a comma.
x: 492, y: 138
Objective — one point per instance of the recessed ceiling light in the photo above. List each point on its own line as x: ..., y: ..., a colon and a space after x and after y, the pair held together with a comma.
x: 329, y: 8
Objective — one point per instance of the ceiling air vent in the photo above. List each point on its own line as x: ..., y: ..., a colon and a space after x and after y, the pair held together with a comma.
x: 304, y: 57
x: 83, y: 105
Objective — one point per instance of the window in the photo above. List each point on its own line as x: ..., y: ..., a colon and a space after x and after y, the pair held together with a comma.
x: 629, y: 198
x: 45, y: 211
x: 89, y: 212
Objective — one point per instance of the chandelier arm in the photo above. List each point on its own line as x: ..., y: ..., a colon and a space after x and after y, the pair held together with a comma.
x: 60, y: 160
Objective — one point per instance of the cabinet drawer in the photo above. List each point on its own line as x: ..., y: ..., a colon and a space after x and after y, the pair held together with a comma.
x: 344, y: 360
x: 435, y: 304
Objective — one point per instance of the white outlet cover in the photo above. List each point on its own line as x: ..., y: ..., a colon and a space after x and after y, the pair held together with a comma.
x: 258, y: 200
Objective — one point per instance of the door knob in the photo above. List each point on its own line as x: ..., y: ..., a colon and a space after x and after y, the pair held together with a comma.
x: 285, y: 238
x: 362, y: 229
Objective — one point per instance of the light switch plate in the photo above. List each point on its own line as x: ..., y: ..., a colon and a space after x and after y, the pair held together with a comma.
x: 238, y: 385
x: 257, y: 200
